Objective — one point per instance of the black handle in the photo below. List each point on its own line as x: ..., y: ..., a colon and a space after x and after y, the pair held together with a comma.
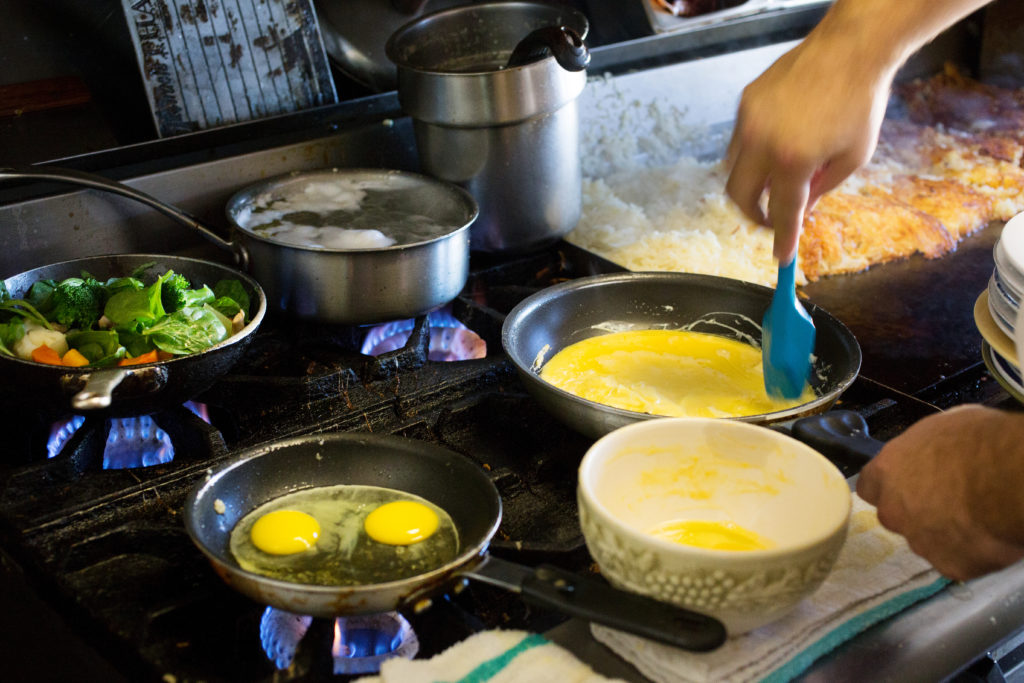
x: 596, y: 601
x: 841, y: 436
x: 562, y: 42
x: 98, y: 182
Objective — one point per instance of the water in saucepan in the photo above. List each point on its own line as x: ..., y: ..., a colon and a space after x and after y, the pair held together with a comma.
x: 353, y: 213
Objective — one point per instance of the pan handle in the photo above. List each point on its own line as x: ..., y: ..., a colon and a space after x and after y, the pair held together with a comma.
x: 98, y: 182
x: 840, y: 435
x: 596, y: 601
x: 98, y: 391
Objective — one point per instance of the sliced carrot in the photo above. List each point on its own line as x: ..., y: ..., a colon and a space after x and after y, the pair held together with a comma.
x: 148, y: 357
x: 74, y: 359
x: 164, y: 355
x: 44, y: 354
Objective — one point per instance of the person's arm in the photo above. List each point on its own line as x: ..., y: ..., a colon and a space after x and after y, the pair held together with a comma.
x: 953, y: 485
x: 812, y: 118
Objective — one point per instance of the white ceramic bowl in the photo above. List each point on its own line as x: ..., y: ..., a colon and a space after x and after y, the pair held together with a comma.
x: 656, y: 471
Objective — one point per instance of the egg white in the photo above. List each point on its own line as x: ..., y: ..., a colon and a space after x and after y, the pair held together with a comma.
x: 344, y: 555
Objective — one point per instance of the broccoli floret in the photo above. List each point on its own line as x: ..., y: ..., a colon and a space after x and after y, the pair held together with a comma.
x: 77, y: 302
x: 174, y: 291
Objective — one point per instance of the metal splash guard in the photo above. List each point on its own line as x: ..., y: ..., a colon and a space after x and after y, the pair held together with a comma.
x: 209, y: 63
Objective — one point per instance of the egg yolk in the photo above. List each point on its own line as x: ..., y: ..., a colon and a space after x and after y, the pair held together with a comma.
x: 285, y: 532
x: 675, y: 373
x: 402, y: 522
x: 712, y: 535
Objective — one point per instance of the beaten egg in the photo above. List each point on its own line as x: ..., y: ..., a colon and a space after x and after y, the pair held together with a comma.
x: 344, y: 552
x: 711, y: 535
x: 673, y: 373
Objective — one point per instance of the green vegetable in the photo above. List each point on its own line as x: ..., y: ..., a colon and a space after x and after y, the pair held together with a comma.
x: 233, y: 289
x: 99, y: 346
x: 10, y: 333
x: 4, y: 294
x: 25, y: 310
x: 198, y: 297
x: 116, y: 284
x: 173, y: 295
x: 135, y: 343
x: 226, y: 306
x: 135, y: 309
x: 189, y: 330
x: 39, y: 294
x: 140, y: 314
x: 77, y: 302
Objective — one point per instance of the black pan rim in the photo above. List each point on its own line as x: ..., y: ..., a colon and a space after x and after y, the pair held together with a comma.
x: 196, y: 497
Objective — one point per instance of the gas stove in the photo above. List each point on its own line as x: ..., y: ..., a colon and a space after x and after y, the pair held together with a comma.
x: 100, y: 541
x: 99, y: 580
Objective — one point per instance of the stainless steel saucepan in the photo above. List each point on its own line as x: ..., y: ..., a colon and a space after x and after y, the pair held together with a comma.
x: 347, y: 286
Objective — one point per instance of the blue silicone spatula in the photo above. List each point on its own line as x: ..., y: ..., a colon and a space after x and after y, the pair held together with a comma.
x: 787, y: 339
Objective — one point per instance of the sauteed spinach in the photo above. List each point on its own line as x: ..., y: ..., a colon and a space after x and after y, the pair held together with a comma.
x: 82, y: 321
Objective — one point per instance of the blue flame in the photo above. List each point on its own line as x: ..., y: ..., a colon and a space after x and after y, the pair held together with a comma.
x: 449, y: 339
x: 131, y: 442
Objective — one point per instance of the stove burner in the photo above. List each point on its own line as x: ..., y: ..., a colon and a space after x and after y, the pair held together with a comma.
x: 450, y: 340
x: 361, y: 643
x: 280, y: 633
x: 132, y: 442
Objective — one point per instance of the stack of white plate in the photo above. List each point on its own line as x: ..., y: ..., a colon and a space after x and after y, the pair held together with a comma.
x: 997, y: 312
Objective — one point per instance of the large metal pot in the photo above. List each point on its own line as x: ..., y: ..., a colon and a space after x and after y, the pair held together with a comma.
x: 348, y: 286
x: 508, y: 134
x: 548, y: 321
x: 449, y: 480
x: 129, y: 390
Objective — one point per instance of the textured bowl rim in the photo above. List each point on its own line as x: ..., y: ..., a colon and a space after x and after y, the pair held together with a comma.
x: 592, y: 459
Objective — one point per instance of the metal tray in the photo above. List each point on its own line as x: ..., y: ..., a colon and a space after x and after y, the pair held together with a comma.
x: 663, y: 22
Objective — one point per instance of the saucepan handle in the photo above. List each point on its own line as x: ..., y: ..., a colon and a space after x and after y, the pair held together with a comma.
x: 98, y: 182
x: 561, y: 42
x: 596, y: 601
x: 840, y: 435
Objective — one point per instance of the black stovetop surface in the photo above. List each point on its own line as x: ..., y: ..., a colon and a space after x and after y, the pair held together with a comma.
x: 121, y: 591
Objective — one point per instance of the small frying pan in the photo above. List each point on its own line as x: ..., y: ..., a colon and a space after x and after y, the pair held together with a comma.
x: 546, y: 322
x: 443, y: 477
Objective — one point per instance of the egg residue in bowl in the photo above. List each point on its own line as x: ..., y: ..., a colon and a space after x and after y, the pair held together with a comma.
x: 673, y: 373
x: 711, y: 535
x: 345, y: 553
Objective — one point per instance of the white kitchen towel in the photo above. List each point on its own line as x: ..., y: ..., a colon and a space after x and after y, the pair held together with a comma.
x: 495, y: 656
x: 875, y: 577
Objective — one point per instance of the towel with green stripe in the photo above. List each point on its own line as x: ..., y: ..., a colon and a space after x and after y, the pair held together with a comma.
x: 875, y: 577
x: 496, y: 656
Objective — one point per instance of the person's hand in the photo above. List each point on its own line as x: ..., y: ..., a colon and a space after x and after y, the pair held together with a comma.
x: 802, y: 127
x: 953, y: 485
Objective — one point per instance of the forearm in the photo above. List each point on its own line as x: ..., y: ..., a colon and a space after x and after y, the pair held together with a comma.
x: 882, y: 34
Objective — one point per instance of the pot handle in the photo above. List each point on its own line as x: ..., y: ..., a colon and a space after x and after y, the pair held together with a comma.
x: 596, y: 601
x: 98, y: 182
x: 98, y: 392
x: 562, y: 42
x: 840, y: 435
